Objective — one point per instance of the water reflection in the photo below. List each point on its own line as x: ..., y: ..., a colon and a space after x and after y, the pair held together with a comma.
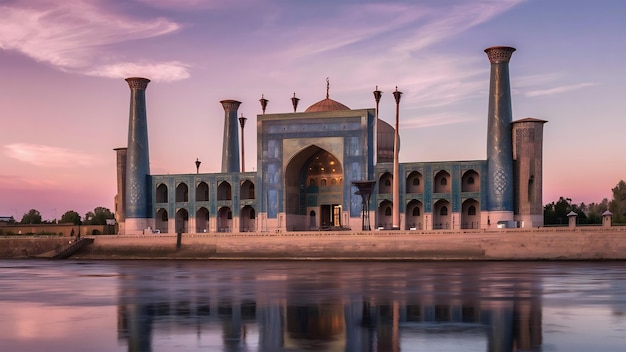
x: 331, y: 307
x: 312, y: 306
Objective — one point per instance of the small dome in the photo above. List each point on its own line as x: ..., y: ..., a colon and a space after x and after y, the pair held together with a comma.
x: 326, y: 105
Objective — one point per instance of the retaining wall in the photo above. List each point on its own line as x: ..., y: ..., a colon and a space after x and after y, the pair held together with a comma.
x: 593, y: 243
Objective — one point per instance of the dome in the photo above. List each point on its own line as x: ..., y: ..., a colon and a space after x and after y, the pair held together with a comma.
x: 326, y: 105
x: 386, y: 136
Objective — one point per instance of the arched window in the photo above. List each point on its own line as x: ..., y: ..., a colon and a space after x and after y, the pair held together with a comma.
x: 387, y: 183
x: 443, y: 181
x: 323, y: 182
x: 312, y: 182
x: 443, y: 211
x: 471, y: 210
x: 333, y: 181
x: 388, y: 211
x: 416, y: 181
x: 470, y: 180
x: 416, y: 211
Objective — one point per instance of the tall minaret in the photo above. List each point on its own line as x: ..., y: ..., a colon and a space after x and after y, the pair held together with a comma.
x: 230, y: 146
x: 499, y: 137
x: 138, y: 195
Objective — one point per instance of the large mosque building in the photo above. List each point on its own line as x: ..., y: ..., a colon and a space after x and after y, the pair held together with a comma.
x: 334, y: 168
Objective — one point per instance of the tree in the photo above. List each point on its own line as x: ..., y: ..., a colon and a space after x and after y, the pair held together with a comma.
x: 594, y: 214
x: 98, y: 216
x: 32, y: 217
x: 618, y: 204
x: 556, y: 213
x: 70, y: 217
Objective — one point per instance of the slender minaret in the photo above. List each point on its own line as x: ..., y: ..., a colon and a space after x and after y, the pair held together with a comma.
x: 230, y: 147
x: 396, y: 165
x: 499, y: 137
x: 137, y: 160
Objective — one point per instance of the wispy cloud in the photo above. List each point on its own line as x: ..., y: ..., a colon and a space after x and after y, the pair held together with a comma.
x: 166, y: 71
x: 73, y: 35
x: 47, y: 156
x: 433, y: 120
x: 559, y: 90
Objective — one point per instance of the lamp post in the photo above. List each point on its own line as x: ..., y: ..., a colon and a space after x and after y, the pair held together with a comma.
x: 198, y: 162
x: 242, y: 123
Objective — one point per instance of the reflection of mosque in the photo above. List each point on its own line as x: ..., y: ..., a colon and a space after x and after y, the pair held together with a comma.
x: 274, y: 314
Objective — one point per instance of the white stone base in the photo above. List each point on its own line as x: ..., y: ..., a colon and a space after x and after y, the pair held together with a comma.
x: 137, y: 226
x: 495, y: 219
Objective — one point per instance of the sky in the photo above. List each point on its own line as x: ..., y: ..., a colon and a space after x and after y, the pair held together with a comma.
x: 64, y: 104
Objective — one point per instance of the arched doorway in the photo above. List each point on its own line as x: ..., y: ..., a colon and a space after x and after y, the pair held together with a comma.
x: 224, y: 219
x: 384, y: 219
x: 161, y: 193
x: 247, y: 190
x: 247, y: 218
x: 385, y: 183
x: 470, y: 182
x: 442, y: 182
x: 414, y: 183
x: 313, y: 182
x: 470, y: 214
x: 202, y: 192
x: 442, y: 215
x: 182, y: 193
x: 224, y: 191
x: 182, y: 221
x: 202, y: 220
x: 161, y: 220
x: 414, y: 215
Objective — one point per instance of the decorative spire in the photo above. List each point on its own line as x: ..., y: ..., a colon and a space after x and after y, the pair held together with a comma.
x: 263, y: 103
x: 377, y: 95
x: 294, y: 101
x: 327, y: 87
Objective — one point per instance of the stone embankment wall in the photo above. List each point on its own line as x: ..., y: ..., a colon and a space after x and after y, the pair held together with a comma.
x: 593, y: 243
x: 505, y: 244
x: 30, y: 246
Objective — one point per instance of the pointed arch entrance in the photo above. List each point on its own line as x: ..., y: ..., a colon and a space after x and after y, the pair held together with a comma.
x: 313, y: 183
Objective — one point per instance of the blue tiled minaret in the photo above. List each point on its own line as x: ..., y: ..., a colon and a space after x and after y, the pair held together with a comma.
x: 138, y: 159
x: 230, y: 147
x: 499, y: 136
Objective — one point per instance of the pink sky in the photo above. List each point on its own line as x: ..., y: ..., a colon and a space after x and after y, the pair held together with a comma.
x: 64, y: 103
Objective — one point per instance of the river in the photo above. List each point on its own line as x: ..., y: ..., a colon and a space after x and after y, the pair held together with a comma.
x: 311, y: 306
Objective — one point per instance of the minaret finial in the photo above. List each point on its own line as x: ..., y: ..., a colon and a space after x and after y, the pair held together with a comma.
x: 327, y: 87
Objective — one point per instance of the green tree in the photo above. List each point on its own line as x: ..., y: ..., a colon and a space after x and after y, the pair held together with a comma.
x: 32, y: 217
x: 595, y: 211
x: 618, y: 204
x: 70, y: 217
x: 556, y: 213
x: 98, y: 216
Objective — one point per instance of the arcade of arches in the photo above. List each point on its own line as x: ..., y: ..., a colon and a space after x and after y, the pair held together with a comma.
x: 441, y: 211
x: 180, y: 221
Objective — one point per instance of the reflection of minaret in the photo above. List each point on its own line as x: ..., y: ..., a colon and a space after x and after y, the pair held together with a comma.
x: 138, y: 159
x: 499, y: 140
x: 230, y: 147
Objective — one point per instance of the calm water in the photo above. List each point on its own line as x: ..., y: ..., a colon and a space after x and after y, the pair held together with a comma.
x: 319, y: 306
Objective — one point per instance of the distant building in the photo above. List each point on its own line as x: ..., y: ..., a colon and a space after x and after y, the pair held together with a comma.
x: 308, y: 162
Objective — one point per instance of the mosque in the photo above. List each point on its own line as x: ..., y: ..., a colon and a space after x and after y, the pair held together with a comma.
x: 334, y: 168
